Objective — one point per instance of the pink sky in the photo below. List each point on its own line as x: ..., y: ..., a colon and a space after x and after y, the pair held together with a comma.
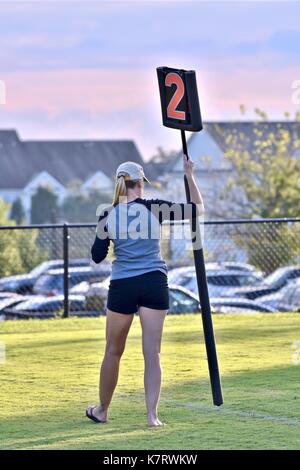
x: 82, y: 81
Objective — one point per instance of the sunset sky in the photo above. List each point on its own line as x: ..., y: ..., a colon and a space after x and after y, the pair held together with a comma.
x: 80, y: 70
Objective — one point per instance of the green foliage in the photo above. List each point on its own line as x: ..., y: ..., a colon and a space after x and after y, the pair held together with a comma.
x: 10, y: 259
x: 163, y: 156
x: 17, y: 211
x: 19, y: 252
x: 81, y: 206
x: 30, y: 252
x: 44, y: 206
x: 271, y: 246
x: 266, y: 181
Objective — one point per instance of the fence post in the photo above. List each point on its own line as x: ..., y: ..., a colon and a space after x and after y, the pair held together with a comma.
x: 66, y: 269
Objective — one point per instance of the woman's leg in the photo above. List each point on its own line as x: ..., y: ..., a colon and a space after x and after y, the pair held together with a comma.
x: 152, y: 324
x: 117, y: 328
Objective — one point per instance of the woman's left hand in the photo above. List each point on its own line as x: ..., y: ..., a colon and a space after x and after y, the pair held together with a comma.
x: 188, y: 166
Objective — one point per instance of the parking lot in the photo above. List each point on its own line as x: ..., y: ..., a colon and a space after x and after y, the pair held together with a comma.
x: 251, y: 267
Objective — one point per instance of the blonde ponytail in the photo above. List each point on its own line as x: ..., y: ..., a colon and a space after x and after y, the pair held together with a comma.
x: 120, y: 189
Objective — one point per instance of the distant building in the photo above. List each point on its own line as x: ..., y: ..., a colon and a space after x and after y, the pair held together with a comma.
x: 26, y: 165
x: 212, y: 169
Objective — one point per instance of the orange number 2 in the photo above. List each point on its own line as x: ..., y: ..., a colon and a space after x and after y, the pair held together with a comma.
x: 172, y: 112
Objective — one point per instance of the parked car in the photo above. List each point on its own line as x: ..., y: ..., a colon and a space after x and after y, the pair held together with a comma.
x: 12, y: 301
x: 237, y: 266
x: 237, y: 305
x: 44, y: 307
x: 23, y: 283
x: 52, y: 282
x: 81, y: 288
x: 175, y: 274
x: 272, y: 283
x: 6, y: 295
x: 181, y: 300
x: 96, y: 296
x: 286, y: 299
x: 218, y: 282
x: 8, y: 302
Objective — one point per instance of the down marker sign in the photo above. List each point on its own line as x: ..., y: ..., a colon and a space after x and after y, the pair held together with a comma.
x: 179, y: 99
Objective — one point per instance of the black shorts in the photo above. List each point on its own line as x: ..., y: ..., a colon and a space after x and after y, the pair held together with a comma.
x: 147, y: 290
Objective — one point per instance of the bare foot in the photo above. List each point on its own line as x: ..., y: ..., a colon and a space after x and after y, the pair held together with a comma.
x: 155, y: 422
x: 97, y: 412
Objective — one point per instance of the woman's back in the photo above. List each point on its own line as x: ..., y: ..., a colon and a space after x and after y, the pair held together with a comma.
x: 134, y: 229
x: 135, y: 233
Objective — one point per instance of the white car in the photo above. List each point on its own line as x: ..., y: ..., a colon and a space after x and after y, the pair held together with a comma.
x: 219, y: 282
x: 287, y: 299
x: 176, y: 274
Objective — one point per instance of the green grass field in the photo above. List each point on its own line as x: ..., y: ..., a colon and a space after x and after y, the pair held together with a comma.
x: 51, y: 375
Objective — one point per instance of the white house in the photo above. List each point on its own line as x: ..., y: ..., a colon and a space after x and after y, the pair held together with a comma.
x: 26, y: 165
x: 213, y: 170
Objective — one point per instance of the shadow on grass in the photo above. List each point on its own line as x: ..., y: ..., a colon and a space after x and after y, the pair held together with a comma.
x: 192, y: 421
x: 231, y: 334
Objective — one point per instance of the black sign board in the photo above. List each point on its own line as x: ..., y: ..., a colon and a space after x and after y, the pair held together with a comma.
x: 179, y: 99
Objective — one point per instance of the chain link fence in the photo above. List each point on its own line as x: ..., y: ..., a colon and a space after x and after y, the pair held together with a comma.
x: 251, y: 266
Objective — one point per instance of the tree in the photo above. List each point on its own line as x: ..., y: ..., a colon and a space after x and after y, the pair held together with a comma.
x: 10, y: 260
x: 163, y: 156
x: 270, y: 245
x: 19, y: 251
x: 31, y: 249
x: 17, y: 211
x: 266, y: 178
x: 44, y: 206
x: 81, y: 206
x: 265, y: 184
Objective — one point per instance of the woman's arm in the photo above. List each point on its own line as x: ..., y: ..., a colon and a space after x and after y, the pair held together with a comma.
x: 167, y: 210
x: 101, y: 243
x: 99, y: 249
x: 195, y: 194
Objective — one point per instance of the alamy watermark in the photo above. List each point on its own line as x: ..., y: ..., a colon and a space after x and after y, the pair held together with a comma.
x: 2, y: 353
x: 296, y: 352
x: 137, y: 221
x: 2, y: 92
x: 296, y: 92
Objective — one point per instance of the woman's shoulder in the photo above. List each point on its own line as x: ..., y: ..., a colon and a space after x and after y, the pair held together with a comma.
x: 153, y: 202
x: 104, y: 210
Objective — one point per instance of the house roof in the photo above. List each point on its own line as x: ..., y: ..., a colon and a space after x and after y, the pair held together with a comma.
x: 244, y: 132
x: 66, y: 160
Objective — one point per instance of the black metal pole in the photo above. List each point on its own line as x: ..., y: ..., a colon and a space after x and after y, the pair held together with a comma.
x: 208, y: 328
x: 66, y: 269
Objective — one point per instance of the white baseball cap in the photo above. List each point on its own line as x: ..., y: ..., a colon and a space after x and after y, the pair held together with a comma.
x: 131, y: 171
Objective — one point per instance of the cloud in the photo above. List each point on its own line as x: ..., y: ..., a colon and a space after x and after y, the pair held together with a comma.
x: 133, y: 35
x: 110, y: 104
x: 87, y: 69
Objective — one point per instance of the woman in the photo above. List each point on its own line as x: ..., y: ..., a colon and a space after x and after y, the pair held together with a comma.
x: 138, y: 279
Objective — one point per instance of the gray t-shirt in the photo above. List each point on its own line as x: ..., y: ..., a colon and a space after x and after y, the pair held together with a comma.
x: 134, y: 229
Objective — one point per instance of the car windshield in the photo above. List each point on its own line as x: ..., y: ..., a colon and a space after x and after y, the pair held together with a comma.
x: 50, y: 281
x: 221, y: 280
x: 39, y: 269
x: 181, y: 297
x: 249, y: 280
